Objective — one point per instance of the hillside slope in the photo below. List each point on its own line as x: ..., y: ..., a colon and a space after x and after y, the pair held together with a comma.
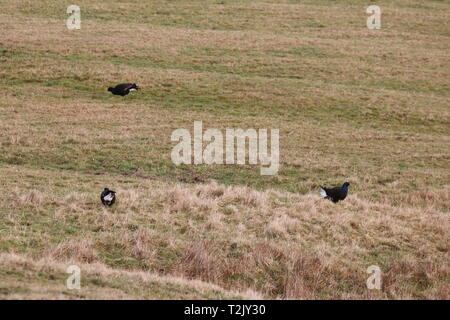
x: 351, y: 104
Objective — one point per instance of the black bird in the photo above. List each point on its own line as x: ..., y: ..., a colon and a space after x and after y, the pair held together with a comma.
x: 123, y: 89
x: 108, y: 197
x: 335, y: 194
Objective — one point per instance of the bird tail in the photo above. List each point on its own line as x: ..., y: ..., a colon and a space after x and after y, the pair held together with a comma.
x: 109, y: 197
x: 323, y: 193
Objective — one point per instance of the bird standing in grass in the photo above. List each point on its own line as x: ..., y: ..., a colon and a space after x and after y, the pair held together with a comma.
x: 108, y: 197
x: 123, y: 89
x: 335, y: 194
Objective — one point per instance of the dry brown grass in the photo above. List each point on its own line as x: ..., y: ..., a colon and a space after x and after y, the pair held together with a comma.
x: 279, y: 244
x: 100, y: 282
x: 370, y: 107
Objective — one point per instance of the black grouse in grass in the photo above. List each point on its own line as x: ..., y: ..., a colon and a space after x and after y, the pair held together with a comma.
x: 123, y: 89
x: 108, y: 197
x: 335, y: 194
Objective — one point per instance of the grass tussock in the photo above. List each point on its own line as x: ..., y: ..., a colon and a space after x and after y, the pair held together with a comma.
x: 278, y: 244
x: 80, y: 251
x: 99, y: 282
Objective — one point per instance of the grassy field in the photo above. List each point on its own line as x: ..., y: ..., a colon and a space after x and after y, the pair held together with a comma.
x: 366, y: 106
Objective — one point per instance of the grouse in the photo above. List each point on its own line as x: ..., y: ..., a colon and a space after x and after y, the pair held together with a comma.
x: 123, y: 89
x: 335, y: 194
x: 108, y: 197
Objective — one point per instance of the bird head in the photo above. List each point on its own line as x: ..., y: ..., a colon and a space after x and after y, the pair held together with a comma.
x: 110, y: 89
x: 346, y: 185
